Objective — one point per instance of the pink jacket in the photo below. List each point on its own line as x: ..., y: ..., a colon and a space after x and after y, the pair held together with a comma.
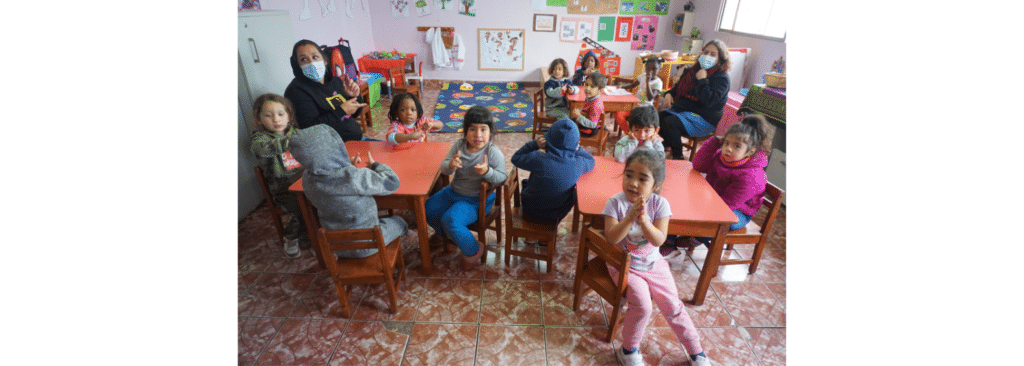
x: 740, y: 187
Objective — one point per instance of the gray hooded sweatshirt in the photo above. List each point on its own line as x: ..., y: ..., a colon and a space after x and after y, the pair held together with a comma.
x: 341, y: 192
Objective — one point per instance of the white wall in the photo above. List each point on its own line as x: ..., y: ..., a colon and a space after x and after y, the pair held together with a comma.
x: 327, y: 30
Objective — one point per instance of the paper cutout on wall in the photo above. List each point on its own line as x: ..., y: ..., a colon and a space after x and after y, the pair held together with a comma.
x: 305, y: 14
x: 573, y: 29
x: 249, y: 4
x: 606, y: 29
x: 593, y: 7
x: 561, y: 3
x: 645, y: 28
x: 422, y: 8
x: 443, y: 4
x: 631, y: 7
x: 467, y: 7
x: 501, y: 49
x: 538, y: 5
x: 623, y: 29
x: 400, y: 8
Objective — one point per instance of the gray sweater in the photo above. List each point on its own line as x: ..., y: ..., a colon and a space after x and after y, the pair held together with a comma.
x: 466, y: 182
x: 342, y: 193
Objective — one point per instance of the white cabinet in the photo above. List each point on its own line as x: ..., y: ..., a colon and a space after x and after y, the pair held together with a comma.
x: 776, y: 170
x: 265, y: 43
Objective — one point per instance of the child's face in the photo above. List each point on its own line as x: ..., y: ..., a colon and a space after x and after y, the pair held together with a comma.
x: 590, y: 90
x: 558, y: 72
x: 477, y: 135
x: 644, y: 133
x: 735, y: 148
x: 274, y: 117
x: 650, y: 69
x: 589, y: 63
x: 407, y: 111
x: 637, y: 181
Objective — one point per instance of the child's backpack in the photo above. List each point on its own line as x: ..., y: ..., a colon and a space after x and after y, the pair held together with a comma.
x: 341, y: 61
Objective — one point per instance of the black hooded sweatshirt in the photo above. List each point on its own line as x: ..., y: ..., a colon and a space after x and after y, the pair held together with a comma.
x: 317, y: 103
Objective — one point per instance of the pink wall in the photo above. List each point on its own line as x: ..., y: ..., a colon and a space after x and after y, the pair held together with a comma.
x: 327, y: 30
x: 763, y: 52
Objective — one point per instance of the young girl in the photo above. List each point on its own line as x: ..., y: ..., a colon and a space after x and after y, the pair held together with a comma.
x: 643, y: 134
x: 270, y: 144
x: 471, y: 159
x: 407, y: 121
x: 637, y: 220
x: 734, y: 164
x: 587, y: 66
x: 556, y: 88
x: 647, y: 84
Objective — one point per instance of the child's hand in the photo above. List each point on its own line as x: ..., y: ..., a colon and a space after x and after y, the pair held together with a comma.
x: 456, y: 162
x: 564, y: 89
x: 634, y: 212
x: 351, y: 106
x: 702, y: 74
x: 577, y: 112
x: 633, y: 135
x: 356, y: 160
x: 482, y: 168
x: 541, y: 142
x: 416, y: 136
x: 369, y: 159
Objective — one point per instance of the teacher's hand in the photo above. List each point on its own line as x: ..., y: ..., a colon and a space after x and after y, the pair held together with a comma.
x: 351, y: 88
x: 351, y: 106
x: 666, y: 101
x: 702, y: 74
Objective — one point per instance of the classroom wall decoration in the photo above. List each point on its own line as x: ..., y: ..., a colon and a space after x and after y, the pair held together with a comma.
x: 606, y: 29
x: 645, y: 28
x: 544, y: 22
x: 632, y: 7
x: 422, y: 8
x: 467, y: 7
x: 623, y: 29
x: 573, y: 29
x: 593, y: 7
x: 400, y: 8
x: 501, y: 49
x: 562, y: 3
x: 249, y: 4
x: 443, y: 4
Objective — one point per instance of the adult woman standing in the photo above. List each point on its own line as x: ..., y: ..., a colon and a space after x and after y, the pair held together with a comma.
x: 694, y: 106
x: 320, y: 97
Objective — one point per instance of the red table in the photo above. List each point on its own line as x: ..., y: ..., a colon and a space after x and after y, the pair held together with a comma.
x: 382, y: 66
x: 612, y: 103
x: 696, y: 209
x: 418, y: 166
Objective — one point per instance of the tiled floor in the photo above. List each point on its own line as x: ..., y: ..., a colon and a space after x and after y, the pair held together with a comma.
x: 289, y: 314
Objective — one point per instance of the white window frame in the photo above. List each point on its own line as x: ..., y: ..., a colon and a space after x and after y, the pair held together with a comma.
x: 722, y: 15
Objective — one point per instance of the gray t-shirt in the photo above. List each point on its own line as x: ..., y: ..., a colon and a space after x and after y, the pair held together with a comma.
x: 466, y: 182
x: 642, y: 254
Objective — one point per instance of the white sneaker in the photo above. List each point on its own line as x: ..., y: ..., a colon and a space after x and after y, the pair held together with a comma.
x: 632, y: 359
x: 700, y: 361
x: 291, y: 248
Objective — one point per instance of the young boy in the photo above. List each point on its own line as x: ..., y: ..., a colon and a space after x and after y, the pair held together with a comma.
x: 341, y: 191
x: 643, y: 134
x: 590, y: 117
x: 555, y: 163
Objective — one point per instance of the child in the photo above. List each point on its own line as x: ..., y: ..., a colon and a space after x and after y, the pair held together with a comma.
x: 270, y: 144
x: 556, y: 88
x: 643, y: 134
x: 591, y: 116
x: 555, y: 162
x: 471, y: 159
x: 647, y: 84
x: 734, y: 165
x: 636, y: 219
x: 342, y: 192
x: 407, y: 121
x: 587, y: 66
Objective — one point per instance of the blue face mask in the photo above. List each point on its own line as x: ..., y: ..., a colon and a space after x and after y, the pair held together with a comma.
x: 706, y: 62
x: 314, y: 70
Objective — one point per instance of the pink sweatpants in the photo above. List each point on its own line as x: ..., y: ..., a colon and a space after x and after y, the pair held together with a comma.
x: 659, y: 285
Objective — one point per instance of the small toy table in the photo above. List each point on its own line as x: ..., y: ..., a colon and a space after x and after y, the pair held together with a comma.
x: 382, y: 66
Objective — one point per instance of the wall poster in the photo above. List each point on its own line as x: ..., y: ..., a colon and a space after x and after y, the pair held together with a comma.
x: 606, y: 29
x: 573, y: 29
x: 645, y: 28
x: 637, y: 7
x: 501, y: 49
x: 593, y: 7
x: 624, y: 29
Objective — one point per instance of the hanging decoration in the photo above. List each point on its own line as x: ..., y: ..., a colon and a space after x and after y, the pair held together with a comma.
x: 305, y: 14
x: 501, y: 49
x: 636, y: 7
x: 443, y: 4
x: 468, y: 7
x: 645, y: 29
x: 249, y: 4
x: 422, y: 8
x: 400, y: 8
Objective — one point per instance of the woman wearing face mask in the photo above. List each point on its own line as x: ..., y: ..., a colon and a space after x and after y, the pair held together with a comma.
x: 694, y: 105
x: 320, y: 97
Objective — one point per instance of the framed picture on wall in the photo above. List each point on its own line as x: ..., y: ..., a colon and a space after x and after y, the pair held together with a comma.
x: 543, y: 22
x: 501, y: 49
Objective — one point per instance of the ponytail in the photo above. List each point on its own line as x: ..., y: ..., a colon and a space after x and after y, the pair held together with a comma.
x: 755, y: 127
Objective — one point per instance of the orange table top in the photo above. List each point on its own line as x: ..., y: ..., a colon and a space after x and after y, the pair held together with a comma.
x: 688, y: 193
x: 417, y: 164
x: 580, y: 97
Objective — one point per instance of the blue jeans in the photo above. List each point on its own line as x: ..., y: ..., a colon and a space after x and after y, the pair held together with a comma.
x: 743, y: 220
x: 450, y: 213
x: 368, y: 139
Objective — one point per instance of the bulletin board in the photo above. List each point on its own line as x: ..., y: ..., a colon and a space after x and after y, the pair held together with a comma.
x: 593, y: 7
x: 501, y: 49
x: 645, y: 29
x: 574, y: 29
x: 640, y: 7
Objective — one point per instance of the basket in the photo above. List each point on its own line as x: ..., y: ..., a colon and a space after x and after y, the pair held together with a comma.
x: 775, y: 80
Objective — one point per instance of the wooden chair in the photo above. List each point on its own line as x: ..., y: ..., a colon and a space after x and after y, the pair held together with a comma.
x: 276, y: 212
x: 490, y: 220
x: 377, y: 268
x: 517, y: 227
x: 755, y: 233
x: 600, y: 140
x: 397, y: 83
x: 540, y: 115
x: 594, y: 274
x: 692, y: 143
x: 415, y: 76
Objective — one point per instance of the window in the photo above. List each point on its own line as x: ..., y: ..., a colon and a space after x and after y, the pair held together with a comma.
x: 759, y: 18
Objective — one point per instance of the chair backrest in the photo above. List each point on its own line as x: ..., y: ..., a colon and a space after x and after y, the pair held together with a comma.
x: 397, y: 75
x: 538, y: 103
x: 611, y: 255
x: 333, y: 240
x: 511, y: 187
x: 773, y: 199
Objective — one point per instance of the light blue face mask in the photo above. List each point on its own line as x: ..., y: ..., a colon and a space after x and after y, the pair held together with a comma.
x: 706, y: 62
x: 314, y: 70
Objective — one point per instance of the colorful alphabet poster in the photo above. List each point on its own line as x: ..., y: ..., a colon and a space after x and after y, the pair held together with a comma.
x: 645, y: 28
x: 606, y: 29
x: 593, y: 7
x: 623, y: 29
x: 635, y: 7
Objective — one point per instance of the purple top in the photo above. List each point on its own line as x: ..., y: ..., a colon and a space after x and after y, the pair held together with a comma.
x: 642, y: 255
x: 776, y: 92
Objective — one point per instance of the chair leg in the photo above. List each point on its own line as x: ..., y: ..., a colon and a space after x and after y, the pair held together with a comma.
x: 392, y: 293
x: 613, y: 322
x: 346, y: 311
x: 757, y: 256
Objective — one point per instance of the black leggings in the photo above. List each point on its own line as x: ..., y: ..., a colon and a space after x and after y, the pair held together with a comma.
x: 672, y: 130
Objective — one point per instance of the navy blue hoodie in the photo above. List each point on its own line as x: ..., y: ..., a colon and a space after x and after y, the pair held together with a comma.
x: 551, y: 191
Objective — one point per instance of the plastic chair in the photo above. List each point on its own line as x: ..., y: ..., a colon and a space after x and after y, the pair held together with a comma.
x: 517, y: 227
x: 540, y: 116
x: 275, y: 211
x: 397, y: 83
x: 755, y: 233
x: 594, y: 274
x: 377, y: 268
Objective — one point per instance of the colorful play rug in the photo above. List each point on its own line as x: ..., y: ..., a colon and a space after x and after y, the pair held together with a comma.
x: 510, y: 105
